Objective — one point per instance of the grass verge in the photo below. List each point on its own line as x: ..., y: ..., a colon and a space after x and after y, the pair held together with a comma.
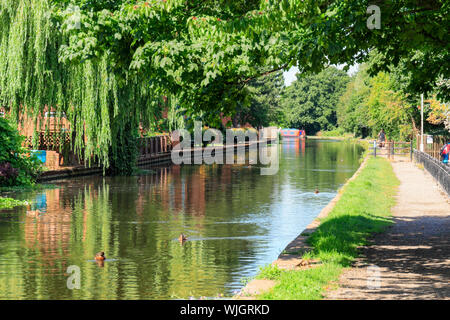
x: 363, y: 209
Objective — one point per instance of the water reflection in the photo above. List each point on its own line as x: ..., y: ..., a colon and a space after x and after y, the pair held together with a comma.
x: 234, y: 218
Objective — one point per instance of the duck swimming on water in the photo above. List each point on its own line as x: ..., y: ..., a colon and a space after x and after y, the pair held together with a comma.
x: 182, y: 238
x: 100, y: 256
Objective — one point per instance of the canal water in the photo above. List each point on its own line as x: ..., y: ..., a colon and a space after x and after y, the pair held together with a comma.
x: 236, y: 220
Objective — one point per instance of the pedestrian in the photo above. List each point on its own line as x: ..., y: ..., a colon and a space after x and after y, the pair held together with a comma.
x: 445, y: 152
x: 381, y: 138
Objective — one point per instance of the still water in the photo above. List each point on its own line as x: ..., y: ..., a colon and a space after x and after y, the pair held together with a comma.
x: 235, y: 219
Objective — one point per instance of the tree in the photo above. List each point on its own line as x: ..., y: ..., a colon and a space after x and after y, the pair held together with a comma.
x: 17, y: 167
x: 370, y: 104
x: 388, y: 109
x: 99, y: 103
x: 439, y: 113
x: 106, y: 65
x: 263, y: 107
x: 352, y: 111
x: 311, y: 101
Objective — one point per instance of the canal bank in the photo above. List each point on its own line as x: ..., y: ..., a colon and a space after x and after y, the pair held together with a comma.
x: 312, y: 262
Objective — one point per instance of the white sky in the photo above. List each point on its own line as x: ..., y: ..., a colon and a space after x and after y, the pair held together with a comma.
x: 289, y: 76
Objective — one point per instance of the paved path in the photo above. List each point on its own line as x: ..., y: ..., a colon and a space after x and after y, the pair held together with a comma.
x: 412, y: 258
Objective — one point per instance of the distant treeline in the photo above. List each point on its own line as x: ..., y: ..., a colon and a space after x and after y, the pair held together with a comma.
x: 359, y: 104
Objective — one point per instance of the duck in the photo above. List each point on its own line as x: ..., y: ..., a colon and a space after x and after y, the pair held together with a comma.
x: 100, y: 256
x: 316, y: 191
x: 182, y: 238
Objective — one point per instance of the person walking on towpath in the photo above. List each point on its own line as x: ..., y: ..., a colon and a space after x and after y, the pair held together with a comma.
x: 381, y: 138
x: 445, y: 152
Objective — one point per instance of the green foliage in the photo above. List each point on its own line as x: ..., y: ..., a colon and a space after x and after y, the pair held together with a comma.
x: 370, y: 104
x: 311, y: 101
x: 339, y: 132
x: 205, y: 51
x: 387, y: 109
x: 225, y: 41
x: 17, y: 167
x: 352, y: 111
x: 123, y: 153
x: 265, y: 106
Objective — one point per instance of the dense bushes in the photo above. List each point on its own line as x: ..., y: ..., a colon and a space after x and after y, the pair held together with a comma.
x: 17, y: 167
x: 373, y: 103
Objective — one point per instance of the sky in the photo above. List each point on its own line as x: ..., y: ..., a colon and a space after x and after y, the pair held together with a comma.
x: 289, y: 76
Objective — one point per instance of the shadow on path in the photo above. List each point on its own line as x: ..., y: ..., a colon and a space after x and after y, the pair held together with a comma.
x: 412, y: 257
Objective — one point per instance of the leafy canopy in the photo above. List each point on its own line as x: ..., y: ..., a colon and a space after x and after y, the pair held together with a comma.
x: 191, y: 46
x: 311, y: 101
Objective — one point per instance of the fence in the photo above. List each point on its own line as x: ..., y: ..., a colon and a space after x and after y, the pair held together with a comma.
x: 149, y: 147
x: 390, y: 149
x: 439, y: 170
x: 58, y: 147
x: 54, y: 141
x: 60, y: 144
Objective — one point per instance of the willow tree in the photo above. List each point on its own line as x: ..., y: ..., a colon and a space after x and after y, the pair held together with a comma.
x: 103, y: 107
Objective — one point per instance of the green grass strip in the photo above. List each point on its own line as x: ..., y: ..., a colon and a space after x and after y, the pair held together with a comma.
x: 363, y: 209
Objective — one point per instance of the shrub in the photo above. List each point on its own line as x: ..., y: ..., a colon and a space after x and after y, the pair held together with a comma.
x: 339, y: 132
x: 17, y: 167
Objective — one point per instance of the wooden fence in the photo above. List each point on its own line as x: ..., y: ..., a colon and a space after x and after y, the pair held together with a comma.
x: 152, y: 146
x: 60, y: 144
x: 53, y: 141
x: 392, y: 149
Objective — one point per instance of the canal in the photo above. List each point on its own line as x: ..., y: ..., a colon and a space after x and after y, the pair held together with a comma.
x: 236, y: 220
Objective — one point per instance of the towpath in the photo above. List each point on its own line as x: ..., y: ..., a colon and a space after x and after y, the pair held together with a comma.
x: 411, y: 260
